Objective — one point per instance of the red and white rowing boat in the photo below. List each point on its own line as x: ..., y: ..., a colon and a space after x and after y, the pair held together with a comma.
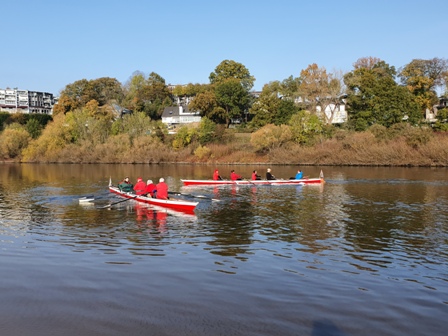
x: 175, y: 204
x: 316, y: 180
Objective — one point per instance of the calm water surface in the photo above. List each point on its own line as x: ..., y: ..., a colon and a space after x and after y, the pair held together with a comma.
x: 364, y: 254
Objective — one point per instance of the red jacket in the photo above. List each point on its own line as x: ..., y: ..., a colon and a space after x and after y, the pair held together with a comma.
x: 234, y: 176
x: 216, y: 176
x: 150, y: 188
x: 140, y: 187
x: 162, y: 190
x: 255, y: 176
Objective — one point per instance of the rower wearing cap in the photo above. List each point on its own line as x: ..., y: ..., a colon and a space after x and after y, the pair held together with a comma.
x: 162, y: 189
x: 140, y: 187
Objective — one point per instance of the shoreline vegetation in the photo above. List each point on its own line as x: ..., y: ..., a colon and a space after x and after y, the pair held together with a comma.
x: 373, y: 115
x: 400, y: 145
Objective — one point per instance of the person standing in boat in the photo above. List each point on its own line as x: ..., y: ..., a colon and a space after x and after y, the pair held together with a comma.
x: 140, y: 187
x: 150, y: 189
x: 125, y: 185
x: 234, y: 176
x: 269, y: 175
x: 255, y: 176
x: 162, y: 189
x: 216, y: 175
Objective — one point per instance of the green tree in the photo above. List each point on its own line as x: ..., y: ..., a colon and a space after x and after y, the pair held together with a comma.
x: 375, y: 98
x: 271, y: 107
x: 184, y: 136
x: 33, y: 127
x: 232, y: 97
x: 305, y: 127
x: 150, y: 95
x: 229, y: 69
x: 265, y: 108
x: 135, y: 125
x: 206, y: 131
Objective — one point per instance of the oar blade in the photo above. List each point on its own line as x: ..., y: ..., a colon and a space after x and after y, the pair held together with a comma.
x: 86, y: 199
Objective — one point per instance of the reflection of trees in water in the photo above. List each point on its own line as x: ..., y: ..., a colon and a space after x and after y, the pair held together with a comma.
x: 230, y: 228
x: 387, y: 218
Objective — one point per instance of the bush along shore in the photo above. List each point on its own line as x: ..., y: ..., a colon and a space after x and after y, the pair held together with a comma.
x: 67, y: 140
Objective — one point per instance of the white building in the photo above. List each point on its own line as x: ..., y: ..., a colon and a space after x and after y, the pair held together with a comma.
x: 175, y: 115
x: 336, y: 110
x: 24, y: 101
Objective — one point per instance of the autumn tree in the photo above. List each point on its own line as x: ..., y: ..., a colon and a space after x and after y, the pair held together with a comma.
x: 270, y: 137
x: 205, y: 103
x: 103, y: 90
x: 321, y: 91
x: 13, y: 140
x: 423, y: 78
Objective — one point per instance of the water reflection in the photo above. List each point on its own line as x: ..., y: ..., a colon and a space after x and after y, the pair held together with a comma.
x: 367, y: 235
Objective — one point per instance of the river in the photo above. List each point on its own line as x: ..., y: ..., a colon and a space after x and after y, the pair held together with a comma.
x: 366, y: 253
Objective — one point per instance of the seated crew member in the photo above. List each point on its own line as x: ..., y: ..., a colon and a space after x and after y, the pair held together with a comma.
x: 269, y: 175
x: 299, y: 175
x: 234, y: 176
x: 140, y: 187
x: 150, y: 188
x: 125, y: 185
x: 255, y: 176
x: 162, y: 189
x: 216, y: 175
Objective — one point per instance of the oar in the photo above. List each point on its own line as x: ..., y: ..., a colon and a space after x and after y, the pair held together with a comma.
x: 109, y: 205
x: 195, y: 196
x: 86, y: 199
x: 89, y: 198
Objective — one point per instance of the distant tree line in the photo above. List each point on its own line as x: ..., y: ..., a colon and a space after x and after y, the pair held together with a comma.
x: 297, y: 110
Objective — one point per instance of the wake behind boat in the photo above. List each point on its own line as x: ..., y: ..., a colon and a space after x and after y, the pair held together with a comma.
x: 175, y: 204
x: 317, y: 180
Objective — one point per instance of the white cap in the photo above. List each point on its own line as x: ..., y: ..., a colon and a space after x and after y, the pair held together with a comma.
x: 149, y: 182
x: 161, y: 179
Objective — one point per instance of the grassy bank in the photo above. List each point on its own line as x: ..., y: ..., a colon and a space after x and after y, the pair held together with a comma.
x: 357, y: 149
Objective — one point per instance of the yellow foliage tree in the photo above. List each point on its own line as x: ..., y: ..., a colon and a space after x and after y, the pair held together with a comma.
x: 12, y: 140
x: 270, y: 137
x: 55, y: 137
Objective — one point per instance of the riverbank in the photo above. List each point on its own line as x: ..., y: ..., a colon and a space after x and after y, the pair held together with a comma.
x: 410, y: 147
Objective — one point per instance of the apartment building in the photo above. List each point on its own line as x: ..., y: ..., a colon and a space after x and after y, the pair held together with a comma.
x: 24, y: 101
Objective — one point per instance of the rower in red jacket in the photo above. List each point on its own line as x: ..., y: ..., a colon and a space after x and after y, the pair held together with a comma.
x: 140, y: 187
x: 216, y: 175
x: 162, y: 189
x: 234, y: 176
x: 150, y: 188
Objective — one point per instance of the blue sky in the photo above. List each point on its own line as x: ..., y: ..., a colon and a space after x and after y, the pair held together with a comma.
x: 48, y: 44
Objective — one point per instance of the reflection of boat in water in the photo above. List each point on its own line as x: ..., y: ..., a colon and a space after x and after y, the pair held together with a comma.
x: 179, y: 206
x: 317, y: 180
x: 154, y: 212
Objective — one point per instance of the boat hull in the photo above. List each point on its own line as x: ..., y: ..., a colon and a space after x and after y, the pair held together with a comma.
x: 179, y: 205
x: 253, y: 182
